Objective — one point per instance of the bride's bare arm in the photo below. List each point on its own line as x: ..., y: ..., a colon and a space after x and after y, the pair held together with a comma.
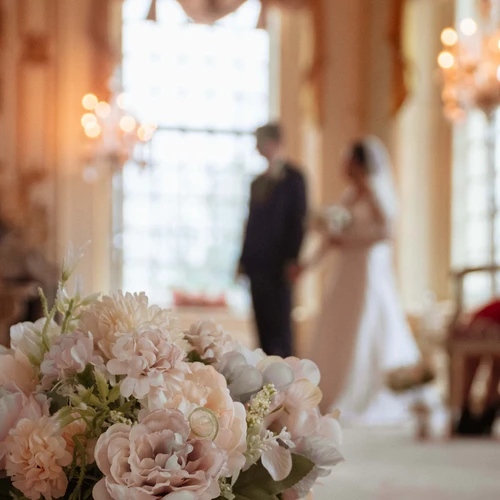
x: 322, y: 251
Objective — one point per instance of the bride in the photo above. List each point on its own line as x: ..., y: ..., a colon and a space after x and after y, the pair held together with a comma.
x: 362, y: 332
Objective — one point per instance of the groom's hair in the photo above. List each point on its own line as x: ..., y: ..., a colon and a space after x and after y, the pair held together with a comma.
x: 270, y: 131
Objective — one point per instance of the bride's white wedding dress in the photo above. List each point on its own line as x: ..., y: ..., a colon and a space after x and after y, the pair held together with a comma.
x: 362, y: 332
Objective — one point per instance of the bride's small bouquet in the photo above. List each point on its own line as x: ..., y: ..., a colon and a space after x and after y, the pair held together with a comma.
x: 333, y: 219
x: 106, y: 398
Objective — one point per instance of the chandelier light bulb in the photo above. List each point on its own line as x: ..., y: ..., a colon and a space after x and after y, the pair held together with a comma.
x: 128, y: 124
x: 103, y: 109
x: 89, y: 101
x: 468, y: 26
x: 88, y: 119
x: 120, y: 100
x: 449, y: 37
x: 146, y: 132
x: 446, y: 60
x: 93, y: 131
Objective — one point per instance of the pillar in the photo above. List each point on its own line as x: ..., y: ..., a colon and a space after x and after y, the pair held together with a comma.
x: 423, y: 159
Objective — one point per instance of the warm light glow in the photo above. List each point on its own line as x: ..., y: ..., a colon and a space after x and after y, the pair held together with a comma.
x: 89, y: 101
x: 446, y: 60
x: 127, y: 124
x: 449, y: 37
x: 120, y: 100
x: 90, y: 175
x: 145, y: 132
x: 103, y: 109
x: 88, y: 119
x: 93, y: 131
x: 468, y: 27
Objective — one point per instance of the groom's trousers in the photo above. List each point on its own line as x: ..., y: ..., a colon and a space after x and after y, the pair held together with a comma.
x: 272, y: 304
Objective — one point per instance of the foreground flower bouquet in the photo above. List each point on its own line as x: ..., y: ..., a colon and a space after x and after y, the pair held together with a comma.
x: 108, y: 399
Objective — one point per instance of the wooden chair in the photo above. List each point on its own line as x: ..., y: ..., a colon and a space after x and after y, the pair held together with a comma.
x: 463, y: 343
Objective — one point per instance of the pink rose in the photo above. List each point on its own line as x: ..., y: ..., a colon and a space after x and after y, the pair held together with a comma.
x: 15, y: 406
x: 16, y: 372
x: 206, y: 388
x: 155, y: 459
x: 36, y: 457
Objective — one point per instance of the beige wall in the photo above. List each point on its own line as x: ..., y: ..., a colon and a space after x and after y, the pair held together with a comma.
x: 40, y: 124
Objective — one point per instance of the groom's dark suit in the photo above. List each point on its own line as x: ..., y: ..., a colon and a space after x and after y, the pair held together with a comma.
x: 273, y: 238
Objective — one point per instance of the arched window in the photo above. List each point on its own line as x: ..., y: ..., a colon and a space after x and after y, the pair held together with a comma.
x: 474, y: 226
x: 179, y: 220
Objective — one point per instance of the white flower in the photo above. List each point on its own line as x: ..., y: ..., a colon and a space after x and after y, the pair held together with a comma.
x: 243, y: 380
x: 72, y: 259
x: 276, y: 455
x: 112, y: 317
x: 209, y: 340
x: 274, y: 452
x: 27, y: 338
x: 317, y: 438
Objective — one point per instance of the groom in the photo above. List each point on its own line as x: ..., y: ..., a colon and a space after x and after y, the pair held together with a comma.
x: 273, y: 237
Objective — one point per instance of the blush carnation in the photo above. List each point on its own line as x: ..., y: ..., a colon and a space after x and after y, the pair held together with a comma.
x: 15, y: 406
x: 69, y: 354
x: 209, y: 341
x: 36, y: 455
x: 112, y: 317
x: 148, y: 359
x: 16, y: 372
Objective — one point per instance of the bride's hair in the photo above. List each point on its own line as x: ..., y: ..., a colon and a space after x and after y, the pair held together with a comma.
x: 372, y: 155
x: 360, y: 155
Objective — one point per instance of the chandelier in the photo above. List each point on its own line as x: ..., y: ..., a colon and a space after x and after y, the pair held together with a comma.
x: 470, y: 68
x: 113, y: 135
x: 470, y: 64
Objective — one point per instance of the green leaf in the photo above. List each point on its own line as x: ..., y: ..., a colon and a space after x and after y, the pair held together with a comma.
x: 85, y: 378
x: 194, y: 357
x: 5, y: 488
x: 102, y: 385
x: 114, y: 394
x: 56, y: 402
x: 257, y: 484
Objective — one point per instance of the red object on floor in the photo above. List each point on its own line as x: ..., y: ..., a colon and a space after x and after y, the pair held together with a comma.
x: 491, y: 311
x: 182, y: 299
